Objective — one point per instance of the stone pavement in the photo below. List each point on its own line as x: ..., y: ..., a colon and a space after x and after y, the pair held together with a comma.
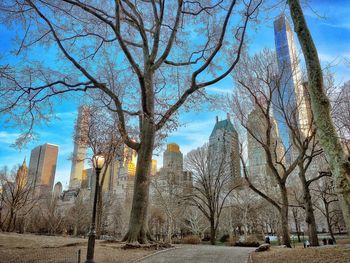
x: 201, y: 254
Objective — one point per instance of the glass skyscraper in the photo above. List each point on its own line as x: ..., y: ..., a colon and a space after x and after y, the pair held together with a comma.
x: 291, y: 89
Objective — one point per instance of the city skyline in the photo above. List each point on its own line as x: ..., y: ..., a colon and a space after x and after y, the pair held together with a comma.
x: 200, y: 123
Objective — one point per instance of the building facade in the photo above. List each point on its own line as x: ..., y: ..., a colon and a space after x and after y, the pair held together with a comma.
x: 42, y: 167
x: 258, y: 168
x: 80, y: 147
x: 291, y: 87
x: 224, y: 148
x: 172, y: 164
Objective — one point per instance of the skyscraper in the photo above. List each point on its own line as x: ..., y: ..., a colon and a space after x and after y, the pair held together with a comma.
x: 80, y: 147
x: 172, y: 170
x: 258, y: 168
x: 126, y: 173
x: 42, y: 167
x: 22, y: 175
x: 224, y: 145
x: 291, y: 85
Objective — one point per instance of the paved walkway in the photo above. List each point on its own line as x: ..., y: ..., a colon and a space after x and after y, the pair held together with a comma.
x: 201, y: 254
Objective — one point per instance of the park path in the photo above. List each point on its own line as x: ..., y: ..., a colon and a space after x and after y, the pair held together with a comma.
x: 201, y: 254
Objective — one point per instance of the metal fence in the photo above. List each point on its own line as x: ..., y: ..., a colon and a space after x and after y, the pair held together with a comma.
x: 48, y: 256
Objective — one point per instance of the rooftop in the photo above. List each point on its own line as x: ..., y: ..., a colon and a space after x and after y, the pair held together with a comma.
x: 223, y: 125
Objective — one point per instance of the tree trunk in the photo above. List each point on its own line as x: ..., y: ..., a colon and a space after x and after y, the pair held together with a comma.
x: 138, y: 230
x: 309, y: 210
x: 245, y: 224
x: 212, y: 232
x: 320, y: 104
x: 296, y: 223
x: 328, y: 219
x: 284, y: 217
x: 8, y: 229
x: 170, y: 227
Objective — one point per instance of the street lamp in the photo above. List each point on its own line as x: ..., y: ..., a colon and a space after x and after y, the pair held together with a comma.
x: 98, y: 161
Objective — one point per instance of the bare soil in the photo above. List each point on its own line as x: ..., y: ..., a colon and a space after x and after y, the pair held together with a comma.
x: 29, y: 248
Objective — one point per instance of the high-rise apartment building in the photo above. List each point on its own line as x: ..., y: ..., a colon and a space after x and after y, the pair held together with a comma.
x: 224, y: 148
x: 173, y: 160
x: 42, y: 167
x: 80, y: 147
x: 291, y: 85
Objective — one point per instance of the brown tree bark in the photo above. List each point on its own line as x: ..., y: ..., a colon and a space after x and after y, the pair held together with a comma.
x: 296, y: 223
x: 138, y: 229
x: 212, y: 233
x: 284, y: 216
x: 309, y: 210
x: 320, y: 104
x: 328, y: 218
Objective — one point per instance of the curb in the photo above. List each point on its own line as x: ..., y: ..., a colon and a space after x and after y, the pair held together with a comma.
x: 153, y: 254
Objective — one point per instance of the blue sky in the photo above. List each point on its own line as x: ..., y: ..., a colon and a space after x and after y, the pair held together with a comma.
x: 331, y: 32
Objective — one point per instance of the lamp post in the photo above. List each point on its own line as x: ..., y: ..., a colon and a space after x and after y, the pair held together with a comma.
x: 98, y: 162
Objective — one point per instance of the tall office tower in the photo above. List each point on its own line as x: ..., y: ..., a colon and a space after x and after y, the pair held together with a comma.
x: 224, y: 145
x: 258, y: 168
x: 80, y: 148
x: 42, y: 167
x: 291, y: 85
x: 22, y: 175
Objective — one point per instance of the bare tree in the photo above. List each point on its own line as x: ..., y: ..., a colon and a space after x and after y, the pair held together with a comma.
x: 51, y: 215
x: 168, y: 195
x: 321, y: 108
x: 265, y: 88
x: 328, y: 203
x: 147, y: 47
x: 17, y: 197
x: 195, y: 222
x: 340, y: 100
x: 212, y: 184
x: 77, y: 217
x: 246, y: 202
x: 100, y: 135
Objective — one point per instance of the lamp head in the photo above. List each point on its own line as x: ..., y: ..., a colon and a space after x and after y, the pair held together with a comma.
x: 98, y: 161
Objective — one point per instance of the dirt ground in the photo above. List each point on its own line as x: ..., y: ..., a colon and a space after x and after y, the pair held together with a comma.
x: 323, y: 254
x: 27, y: 248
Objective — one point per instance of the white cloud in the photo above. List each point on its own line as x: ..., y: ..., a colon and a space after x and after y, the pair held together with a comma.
x: 7, y: 137
x: 343, y: 25
x: 329, y: 58
x: 219, y: 90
